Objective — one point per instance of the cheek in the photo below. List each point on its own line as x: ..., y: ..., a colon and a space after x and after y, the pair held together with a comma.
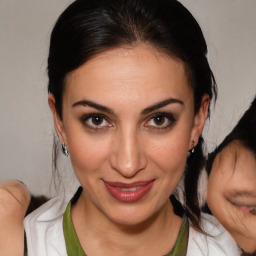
x: 214, y: 189
x: 218, y: 186
x: 170, y: 153
x: 88, y: 154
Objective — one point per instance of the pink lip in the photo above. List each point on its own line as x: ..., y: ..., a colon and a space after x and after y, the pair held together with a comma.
x: 141, y: 188
x: 242, y: 205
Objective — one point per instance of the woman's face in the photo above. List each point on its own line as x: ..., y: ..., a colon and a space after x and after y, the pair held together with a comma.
x: 231, y: 194
x: 128, y: 123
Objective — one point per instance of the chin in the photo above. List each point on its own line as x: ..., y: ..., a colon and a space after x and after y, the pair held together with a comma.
x: 131, y: 216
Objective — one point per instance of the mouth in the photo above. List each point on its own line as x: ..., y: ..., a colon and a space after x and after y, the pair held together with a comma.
x: 128, y: 192
x: 245, y: 208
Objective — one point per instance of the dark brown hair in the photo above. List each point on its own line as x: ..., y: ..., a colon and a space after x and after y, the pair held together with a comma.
x: 244, y: 131
x: 88, y: 27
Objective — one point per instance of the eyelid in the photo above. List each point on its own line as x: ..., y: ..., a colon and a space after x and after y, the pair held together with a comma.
x: 165, y: 114
x: 86, y: 117
x: 168, y: 116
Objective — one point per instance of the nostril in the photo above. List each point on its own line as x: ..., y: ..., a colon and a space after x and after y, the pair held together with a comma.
x: 126, y: 165
x: 127, y: 156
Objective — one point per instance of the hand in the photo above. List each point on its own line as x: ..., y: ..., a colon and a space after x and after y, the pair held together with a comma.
x: 14, y: 201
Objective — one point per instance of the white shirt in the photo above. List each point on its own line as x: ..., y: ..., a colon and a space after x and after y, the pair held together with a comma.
x: 44, y: 232
x: 219, y: 242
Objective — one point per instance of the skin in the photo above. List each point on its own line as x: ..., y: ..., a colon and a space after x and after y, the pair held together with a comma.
x: 127, y: 145
x: 231, y: 190
x: 14, y: 201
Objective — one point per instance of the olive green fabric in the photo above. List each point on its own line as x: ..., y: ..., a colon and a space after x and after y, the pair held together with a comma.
x: 72, y: 243
x: 75, y: 249
x: 180, y: 247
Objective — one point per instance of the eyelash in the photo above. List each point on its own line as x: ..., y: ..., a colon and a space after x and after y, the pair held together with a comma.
x: 87, y: 120
x: 169, y: 118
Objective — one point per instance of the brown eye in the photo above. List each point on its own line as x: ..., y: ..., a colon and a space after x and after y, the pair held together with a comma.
x: 97, y: 120
x: 159, y: 120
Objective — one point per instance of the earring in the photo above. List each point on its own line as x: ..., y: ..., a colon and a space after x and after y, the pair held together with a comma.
x: 64, y: 149
x: 192, y: 150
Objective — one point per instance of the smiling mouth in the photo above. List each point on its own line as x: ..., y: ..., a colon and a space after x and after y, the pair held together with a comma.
x: 129, y: 193
x: 129, y: 189
x: 246, y: 209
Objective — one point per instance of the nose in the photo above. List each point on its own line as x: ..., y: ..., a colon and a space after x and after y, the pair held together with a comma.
x: 127, y: 155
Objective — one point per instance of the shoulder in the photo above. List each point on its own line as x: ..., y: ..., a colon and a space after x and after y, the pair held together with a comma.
x: 48, y: 211
x: 44, y: 230
x: 218, y: 242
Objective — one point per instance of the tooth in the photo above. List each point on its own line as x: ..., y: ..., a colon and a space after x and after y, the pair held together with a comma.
x: 130, y: 189
x: 253, y: 210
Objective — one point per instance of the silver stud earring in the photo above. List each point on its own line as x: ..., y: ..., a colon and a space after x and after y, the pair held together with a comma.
x: 64, y: 149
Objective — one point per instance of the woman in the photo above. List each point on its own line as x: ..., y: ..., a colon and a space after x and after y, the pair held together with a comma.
x: 129, y: 90
x: 231, y: 193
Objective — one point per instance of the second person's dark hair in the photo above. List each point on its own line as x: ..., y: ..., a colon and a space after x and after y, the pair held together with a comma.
x: 244, y: 131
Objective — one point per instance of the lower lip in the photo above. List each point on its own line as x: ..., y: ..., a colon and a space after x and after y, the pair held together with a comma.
x: 129, y: 196
x: 245, y: 210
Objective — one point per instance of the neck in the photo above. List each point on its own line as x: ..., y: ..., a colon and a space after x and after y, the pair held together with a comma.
x: 98, y: 235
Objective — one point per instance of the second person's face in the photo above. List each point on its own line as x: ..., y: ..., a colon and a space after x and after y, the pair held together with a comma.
x: 231, y: 194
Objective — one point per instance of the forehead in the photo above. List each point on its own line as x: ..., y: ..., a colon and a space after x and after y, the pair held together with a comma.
x: 235, y: 153
x: 129, y: 73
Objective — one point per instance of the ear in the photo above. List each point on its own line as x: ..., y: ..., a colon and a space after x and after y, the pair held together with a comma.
x: 58, y: 124
x: 199, y: 120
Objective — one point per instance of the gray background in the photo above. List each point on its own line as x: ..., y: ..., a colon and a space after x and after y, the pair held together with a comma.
x: 26, y: 126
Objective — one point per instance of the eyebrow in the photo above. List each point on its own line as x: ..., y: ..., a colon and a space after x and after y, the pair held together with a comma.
x: 161, y: 105
x: 144, y: 112
x: 93, y: 105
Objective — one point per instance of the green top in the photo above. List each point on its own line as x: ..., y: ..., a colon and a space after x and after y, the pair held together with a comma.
x: 75, y: 249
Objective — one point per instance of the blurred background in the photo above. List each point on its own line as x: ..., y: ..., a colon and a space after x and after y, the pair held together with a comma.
x: 26, y: 127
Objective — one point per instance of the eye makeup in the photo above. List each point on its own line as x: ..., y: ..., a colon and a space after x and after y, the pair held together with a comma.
x: 160, y: 121
x: 96, y: 121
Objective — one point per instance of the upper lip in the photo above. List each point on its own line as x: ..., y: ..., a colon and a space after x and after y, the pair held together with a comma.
x: 244, y: 205
x: 129, y: 185
x: 240, y: 202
